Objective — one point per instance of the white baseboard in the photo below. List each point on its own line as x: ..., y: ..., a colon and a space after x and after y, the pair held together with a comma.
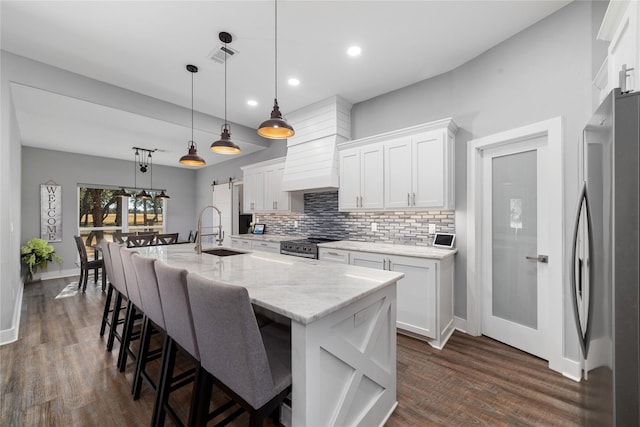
x: 69, y: 272
x: 7, y: 336
x: 571, y: 369
x: 460, y: 324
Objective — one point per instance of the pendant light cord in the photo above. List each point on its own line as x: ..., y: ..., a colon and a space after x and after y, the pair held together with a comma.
x: 192, y: 142
x: 276, y: 47
x: 225, y: 84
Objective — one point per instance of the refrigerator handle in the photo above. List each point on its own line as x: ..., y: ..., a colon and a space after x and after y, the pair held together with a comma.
x: 575, y: 287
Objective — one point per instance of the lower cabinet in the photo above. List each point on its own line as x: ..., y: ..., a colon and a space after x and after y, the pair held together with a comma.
x: 424, y: 294
x: 333, y: 255
x: 250, y: 245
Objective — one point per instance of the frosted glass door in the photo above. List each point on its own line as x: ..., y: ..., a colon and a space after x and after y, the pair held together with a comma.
x: 514, y: 264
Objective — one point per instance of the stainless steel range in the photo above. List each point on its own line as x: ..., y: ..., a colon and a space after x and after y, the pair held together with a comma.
x: 306, y: 248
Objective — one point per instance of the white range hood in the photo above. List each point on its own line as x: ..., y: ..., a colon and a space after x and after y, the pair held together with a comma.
x: 312, y: 155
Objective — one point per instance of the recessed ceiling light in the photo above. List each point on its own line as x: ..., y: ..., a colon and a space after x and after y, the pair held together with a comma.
x: 354, y: 51
x: 293, y: 81
x: 252, y: 102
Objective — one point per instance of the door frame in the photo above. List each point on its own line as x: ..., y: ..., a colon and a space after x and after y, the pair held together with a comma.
x: 553, y: 130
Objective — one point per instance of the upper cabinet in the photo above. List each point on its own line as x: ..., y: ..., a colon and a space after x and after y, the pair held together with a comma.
x: 408, y: 169
x: 263, y: 189
x: 361, y: 178
x: 621, y: 28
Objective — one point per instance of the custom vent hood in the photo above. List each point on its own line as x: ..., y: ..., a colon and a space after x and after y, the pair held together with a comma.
x: 312, y: 155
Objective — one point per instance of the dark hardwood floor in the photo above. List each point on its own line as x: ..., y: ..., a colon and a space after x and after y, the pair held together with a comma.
x: 59, y: 374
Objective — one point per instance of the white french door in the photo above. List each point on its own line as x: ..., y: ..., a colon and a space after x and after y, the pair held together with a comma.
x: 515, y: 244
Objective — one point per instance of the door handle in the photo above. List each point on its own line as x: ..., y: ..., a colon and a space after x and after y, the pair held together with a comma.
x: 539, y: 258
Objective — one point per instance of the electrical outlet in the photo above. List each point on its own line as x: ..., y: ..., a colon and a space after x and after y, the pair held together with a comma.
x: 295, y: 224
x: 374, y: 226
x: 432, y: 229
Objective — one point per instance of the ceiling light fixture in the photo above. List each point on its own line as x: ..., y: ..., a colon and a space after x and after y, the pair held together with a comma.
x: 224, y: 145
x: 293, y: 81
x: 276, y: 127
x: 252, y: 102
x: 144, y: 165
x: 192, y: 158
x: 354, y: 51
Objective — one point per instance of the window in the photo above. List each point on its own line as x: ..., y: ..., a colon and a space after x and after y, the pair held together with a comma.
x: 101, y: 213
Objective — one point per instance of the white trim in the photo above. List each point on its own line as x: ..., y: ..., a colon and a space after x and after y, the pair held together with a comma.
x: 552, y: 128
x: 571, y: 369
x: 7, y: 336
x: 57, y: 274
x: 460, y: 324
x: 613, y: 16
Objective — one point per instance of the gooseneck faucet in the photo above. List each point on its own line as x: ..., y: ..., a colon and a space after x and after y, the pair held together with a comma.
x: 219, y: 234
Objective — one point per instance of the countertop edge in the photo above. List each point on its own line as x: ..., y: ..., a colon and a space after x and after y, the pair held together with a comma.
x: 390, y: 249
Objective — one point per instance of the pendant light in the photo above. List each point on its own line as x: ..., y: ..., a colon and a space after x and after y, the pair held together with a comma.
x: 224, y: 145
x: 143, y: 168
x: 122, y: 193
x: 192, y: 159
x: 276, y: 127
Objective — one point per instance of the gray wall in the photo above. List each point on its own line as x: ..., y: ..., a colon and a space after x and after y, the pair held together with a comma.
x: 543, y: 72
x: 69, y: 170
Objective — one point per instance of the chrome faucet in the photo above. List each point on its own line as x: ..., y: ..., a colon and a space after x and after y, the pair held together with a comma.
x: 219, y: 234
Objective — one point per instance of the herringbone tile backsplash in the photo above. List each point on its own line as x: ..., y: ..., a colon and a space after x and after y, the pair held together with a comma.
x: 322, y: 219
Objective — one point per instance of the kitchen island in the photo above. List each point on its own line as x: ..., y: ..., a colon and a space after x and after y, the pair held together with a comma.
x: 343, y: 333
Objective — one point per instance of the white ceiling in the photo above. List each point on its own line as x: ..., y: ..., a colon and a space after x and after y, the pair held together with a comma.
x: 144, y: 46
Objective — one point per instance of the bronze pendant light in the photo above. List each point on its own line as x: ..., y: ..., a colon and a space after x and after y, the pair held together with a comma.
x: 276, y: 127
x: 192, y: 159
x: 143, y: 168
x: 224, y: 145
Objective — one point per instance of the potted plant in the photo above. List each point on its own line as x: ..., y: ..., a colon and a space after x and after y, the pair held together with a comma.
x: 37, y: 253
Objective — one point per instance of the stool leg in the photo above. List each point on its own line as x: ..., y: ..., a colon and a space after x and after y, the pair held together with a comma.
x: 107, y: 307
x: 164, y: 384
x: 126, y: 336
x: 141, y: 361
x: 114, y: 321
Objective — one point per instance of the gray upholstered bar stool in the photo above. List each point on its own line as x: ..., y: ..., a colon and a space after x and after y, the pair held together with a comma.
x: 108, y: 267
x: 135, y: 310
x: 251, y: 364
x: 153, y: 322
x: 172, y: 285
x: 122, y: 296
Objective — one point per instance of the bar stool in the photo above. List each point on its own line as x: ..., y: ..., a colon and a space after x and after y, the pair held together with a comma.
x: 227, y: 332
x: 153, y: 322
x: 122, y: 296
x: 108, y: 266
x: 172, y: 286
x: 135, y: 309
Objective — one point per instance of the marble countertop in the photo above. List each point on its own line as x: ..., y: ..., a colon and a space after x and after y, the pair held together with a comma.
x: 267, y: 237
x: 391, y: 249
x: 304, y: 290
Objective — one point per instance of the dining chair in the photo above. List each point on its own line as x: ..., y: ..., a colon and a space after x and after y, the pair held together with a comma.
x: 86, y: 265
x: 119, y: 237
x: 167, y: 239
x: 135, y: 309
x: 227, y: 332
x: 140, y: 240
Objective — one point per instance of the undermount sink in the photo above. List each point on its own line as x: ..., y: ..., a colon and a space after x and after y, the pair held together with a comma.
x: 222, y: 252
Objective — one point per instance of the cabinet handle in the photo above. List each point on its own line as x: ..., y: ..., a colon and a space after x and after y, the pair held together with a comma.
x: 384, y: 263
x: 414, y: 198
x: 333, y: 253
x: 357, y: 202
x: 361, y: 204
x: 276, y: 205
x: 408, y: 199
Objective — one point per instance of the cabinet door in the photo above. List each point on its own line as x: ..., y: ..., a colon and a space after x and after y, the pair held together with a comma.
x: 397, y: 174
x: 348, y: 197
x: 366, y: 259
x: 429, y: 170
x: 253, y: 191
x: 371, y: 177
x: 275, y: 199
x: 416, y: 295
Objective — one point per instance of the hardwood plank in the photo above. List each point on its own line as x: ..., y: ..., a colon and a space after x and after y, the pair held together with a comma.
x: 59, y: 374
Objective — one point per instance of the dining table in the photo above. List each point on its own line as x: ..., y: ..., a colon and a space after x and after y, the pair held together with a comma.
x: 343, y: 327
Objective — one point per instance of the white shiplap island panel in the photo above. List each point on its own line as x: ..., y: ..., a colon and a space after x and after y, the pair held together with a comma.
x: 342, y: 328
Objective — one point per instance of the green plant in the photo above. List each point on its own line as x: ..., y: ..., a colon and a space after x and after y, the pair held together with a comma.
x: 37, y: 253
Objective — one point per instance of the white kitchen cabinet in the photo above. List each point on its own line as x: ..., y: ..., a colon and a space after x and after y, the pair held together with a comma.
x: 424, y: 295
x: 263, y: 189
x: 250, y: 244
x: 333, y: 255
x: 419, y: 171
x: 361, y: 178
x: 408, y: 169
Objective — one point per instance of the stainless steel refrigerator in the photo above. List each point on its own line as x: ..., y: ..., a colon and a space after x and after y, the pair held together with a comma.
x: 605, y: 282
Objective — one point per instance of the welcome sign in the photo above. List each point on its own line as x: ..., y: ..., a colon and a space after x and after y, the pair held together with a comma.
x: 51, y: 212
